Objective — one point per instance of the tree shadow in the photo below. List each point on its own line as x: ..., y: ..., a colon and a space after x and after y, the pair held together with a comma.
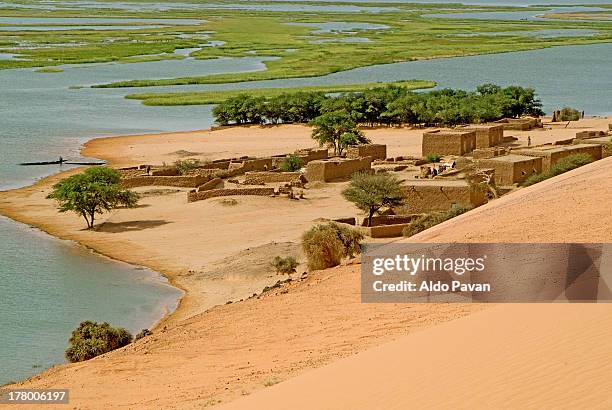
x: 129, y: 226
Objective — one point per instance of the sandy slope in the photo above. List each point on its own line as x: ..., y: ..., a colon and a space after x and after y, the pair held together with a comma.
x: 508, y: 357
x: 512, y: 356
x: 198, y: 358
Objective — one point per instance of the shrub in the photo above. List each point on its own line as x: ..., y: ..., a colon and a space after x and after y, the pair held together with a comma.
x: 292, y: 163
x: 569, y: 114
x: 427, y: 221
x: 326, y: 245
x: 143, y: 333
x: 284, y: 265
x: 431, y: 158
x: 185, y: 166
x: 563, y: 165
x: 91, y: 339
x: 370, y: 193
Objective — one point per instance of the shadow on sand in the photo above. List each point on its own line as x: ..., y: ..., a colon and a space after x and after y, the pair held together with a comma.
x: 129, y: 226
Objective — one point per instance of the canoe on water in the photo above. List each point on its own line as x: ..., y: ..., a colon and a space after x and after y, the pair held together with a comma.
x: 64, y: 161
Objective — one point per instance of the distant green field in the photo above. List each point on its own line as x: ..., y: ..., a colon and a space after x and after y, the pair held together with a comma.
x: 301, y: 51
x: 216, y: 97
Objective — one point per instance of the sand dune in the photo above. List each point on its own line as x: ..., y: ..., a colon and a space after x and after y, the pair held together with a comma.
x: 511, y: 356
x: 507, y: 356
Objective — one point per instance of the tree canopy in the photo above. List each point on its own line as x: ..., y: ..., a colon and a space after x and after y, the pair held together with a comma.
x: 370, y: 193
x: 95, y: 191
x: 338, y: 130
x: 385, y: 105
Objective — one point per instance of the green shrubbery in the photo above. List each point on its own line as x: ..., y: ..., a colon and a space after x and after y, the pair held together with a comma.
x: 92, y: 339
x: 431, y: 158
x: 185, y: 166
x: 427, y: 221
x: 326, y: 245
x: 384, y: 106
x: 143, y: 333
x: 292, y: 163
x: 284, y: 265
x: 563, y: 165
x: 569, y: 114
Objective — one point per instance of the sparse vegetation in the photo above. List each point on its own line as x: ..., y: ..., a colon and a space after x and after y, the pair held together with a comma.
x: 429, y: 220
x: 326, y: 245
x: 50, y: 70
x: 569, y: 114
x: 228, y: 202
x: 432, y: 158
x: 284, y: 265
x: 95, y: 191
x: 292, y: 163
x: 143, y: 333
x: 371, y: 193
x: 563, y: 165
x: 91, y: 339
x: 185, y: 166
x: 271, y: 382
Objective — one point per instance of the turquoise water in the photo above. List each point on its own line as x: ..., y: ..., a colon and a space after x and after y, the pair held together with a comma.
x: 49, y: 286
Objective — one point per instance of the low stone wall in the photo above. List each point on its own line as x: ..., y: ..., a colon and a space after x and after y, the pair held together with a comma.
x: 441, y: 195
x: 263, y: 177
x: 165, y: 172
x: 214, y: 193
x: 183, y: 181
x: 482, y: 153
x: 329, y: 170
x: 312, y: 154
x: 550, y: 155
x: 213, y: 183
x: 520, y: 124
x: 376, y: 151
x: 590, y: 134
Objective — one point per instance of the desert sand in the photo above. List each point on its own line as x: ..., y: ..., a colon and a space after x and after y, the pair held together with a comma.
x: 204, y: 355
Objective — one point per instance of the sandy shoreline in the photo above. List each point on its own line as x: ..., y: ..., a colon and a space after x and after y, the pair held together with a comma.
x: 183, y: 242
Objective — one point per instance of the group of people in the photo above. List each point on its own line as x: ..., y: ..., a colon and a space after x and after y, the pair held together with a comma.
x: 442, y: 167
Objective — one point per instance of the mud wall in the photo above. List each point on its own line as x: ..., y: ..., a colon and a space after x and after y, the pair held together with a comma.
x: 448, y: 143
x: 439, y: 198
x: 376, y: 151
x: 513, y: 169
x: 213, y: 193
x: 184, y: 181
x: 328, y: 170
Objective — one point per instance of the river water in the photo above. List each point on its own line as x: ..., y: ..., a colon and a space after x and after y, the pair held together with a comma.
x: 48, y: 286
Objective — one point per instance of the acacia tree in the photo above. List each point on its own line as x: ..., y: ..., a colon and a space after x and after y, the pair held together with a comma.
x: 337, y: 130
x: 370, y: 193
x: 92, y: 192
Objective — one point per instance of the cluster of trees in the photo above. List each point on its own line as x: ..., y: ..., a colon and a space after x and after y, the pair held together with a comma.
x: 389, y: 105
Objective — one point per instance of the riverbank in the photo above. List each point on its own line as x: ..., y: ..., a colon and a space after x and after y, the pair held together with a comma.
x: 218, y: 253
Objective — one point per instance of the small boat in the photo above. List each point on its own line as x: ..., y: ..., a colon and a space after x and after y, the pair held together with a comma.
x: 58, y: 162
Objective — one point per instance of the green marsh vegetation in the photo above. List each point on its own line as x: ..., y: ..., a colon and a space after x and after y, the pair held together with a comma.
x: 266, y: 33
x: 217, y: 97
